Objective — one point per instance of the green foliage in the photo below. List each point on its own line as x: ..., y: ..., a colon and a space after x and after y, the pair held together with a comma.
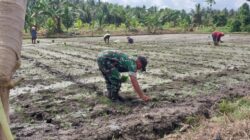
x: 86, y: 26
x: 122, y: 26
x: 224, y: 29
x: 237, y: 110
x: 78, y: 24
x: 97, y: 15
x: 134, y: 23
x: 153, y: 22
x: 104, y: 100
x: 234, y: 106
x: 184, y: 23
x: 68, y: 19
x: 227, y: 107
x: 193, y: 120
x: 235, y: 26
x: 244, y: 16
x: 111, y: 27
x: 244, y: 102
x: 246, y: 28
x: 205, y: 29
x: 54, y: 9
x: 168, y: 25
x: 50, y: 25
x: 244, y: 13
x: 197, y: 15
x: 219, y: 20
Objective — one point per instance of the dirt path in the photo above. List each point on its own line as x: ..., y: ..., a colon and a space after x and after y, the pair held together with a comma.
x: 61, y: 95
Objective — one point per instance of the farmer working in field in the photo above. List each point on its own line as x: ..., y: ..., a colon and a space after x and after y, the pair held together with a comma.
x: 130, y: 40
x: 217, y: 37
x: 106, y: 38
x: 111, y: 63
x: 33, y: 34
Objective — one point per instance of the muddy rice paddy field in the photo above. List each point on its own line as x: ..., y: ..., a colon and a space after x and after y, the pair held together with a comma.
x: 62, y: 95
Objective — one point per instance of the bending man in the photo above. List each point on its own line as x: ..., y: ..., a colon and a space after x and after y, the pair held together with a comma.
x: 106, y: 38
x: 111, y: 63
x: 217, y: 37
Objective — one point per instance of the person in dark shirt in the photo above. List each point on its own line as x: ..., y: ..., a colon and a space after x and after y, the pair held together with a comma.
x: 130, y: 40
x: 33, y: 34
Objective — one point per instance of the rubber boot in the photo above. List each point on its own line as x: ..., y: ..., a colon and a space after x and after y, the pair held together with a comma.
x: 114, y: 96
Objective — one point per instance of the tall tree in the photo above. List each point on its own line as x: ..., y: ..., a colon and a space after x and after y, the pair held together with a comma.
x: 153, y: 22
x: 68, y: 18
x: 197, y: 15
x: 101, y: 15
x: 34, y: 15
x: 244, y: 16
x: 55, y: 9
x: 117, y: 15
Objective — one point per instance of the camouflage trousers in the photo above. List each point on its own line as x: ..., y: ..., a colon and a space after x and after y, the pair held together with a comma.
x: 111, y: 76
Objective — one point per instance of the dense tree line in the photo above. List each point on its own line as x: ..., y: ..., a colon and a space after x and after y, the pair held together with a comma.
x: 56, y: 16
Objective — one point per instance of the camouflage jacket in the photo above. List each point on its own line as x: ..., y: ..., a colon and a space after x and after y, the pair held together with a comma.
x: 118, y: 60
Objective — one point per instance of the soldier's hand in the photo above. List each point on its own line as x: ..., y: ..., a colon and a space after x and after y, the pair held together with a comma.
x: 145, y: 98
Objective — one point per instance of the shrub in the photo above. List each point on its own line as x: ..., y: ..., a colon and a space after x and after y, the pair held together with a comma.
x: 78, y: 24
x: 50, y: 25
x: 235, y: 26
x: 227, y: 107
x: 246, y: 28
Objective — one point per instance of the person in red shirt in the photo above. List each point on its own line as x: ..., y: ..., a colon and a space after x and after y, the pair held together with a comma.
x: 217, y: 37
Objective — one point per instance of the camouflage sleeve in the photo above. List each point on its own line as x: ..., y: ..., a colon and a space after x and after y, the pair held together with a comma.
x: 132, y: 68
x: 130, y: 64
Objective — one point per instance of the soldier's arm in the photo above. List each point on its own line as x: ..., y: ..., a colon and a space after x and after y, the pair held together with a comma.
x: 137, y: 88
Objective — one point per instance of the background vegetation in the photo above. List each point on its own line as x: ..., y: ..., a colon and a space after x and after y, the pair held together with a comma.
x: 92, y: 16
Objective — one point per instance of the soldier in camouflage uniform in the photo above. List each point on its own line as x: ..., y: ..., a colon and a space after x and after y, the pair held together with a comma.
x: 111, y: 63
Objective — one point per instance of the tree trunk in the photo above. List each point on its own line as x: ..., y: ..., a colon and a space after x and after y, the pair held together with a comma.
x: 58, y: 25
x: 12, y: 14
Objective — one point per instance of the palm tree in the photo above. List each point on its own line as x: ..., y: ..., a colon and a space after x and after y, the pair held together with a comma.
x: 197, y: 15
x: 153, y: 22
x: 85, y: 12
x: 102, y: 13
x: 117, y: 15
x: 54, y: 9
x: 34, y: 12
x: 68, y: 18
x: 169, y: 15
x: 28, y: 17
x: 210, y: 11
x: 244, y: 16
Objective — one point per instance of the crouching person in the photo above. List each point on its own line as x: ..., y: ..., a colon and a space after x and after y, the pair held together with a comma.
x: 217, y: 38
x: 130, y: 40
x: 106, y: 38
x: 111, y: 63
